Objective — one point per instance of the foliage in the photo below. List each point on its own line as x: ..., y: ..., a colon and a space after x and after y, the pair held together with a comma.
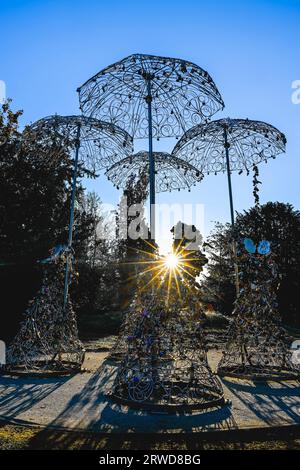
x: 218, y: 282
x: 35, y: 186
x: 274, y: 221
x: 35, y: 180
x: 280, y: 224
x: 97, y: 277
x: 133, y: 250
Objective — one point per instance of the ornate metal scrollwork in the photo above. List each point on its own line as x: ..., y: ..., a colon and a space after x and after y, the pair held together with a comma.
x: 171, y: 173
x: 182, y: 95
x: 47, y: 341
x: 257, y: 346
x: 165, y: 363
x: 101, y: 143
x: 249, y: 143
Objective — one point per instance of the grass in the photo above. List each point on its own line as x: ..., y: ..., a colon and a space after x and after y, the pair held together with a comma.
x: 108, y: 323
x: 20, y: 437
x: 15, y: 437
x: 99, y: 325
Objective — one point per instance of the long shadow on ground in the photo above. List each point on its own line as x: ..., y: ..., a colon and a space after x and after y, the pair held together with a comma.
x: 19, y: 394
x: 93, y: 410
x: 273, y: 403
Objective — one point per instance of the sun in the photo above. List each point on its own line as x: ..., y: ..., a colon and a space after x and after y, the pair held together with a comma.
x: 166, y: 271
x: 172, y: 261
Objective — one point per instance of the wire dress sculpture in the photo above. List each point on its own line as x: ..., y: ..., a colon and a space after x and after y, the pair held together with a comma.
x: 47, y: 342
x: 165, y: 367
x: 171, y: 173
x: 257, y: 346
x: 162, y: 348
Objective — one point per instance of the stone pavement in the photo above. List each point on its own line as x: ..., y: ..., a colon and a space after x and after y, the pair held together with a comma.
x: 81, y: 402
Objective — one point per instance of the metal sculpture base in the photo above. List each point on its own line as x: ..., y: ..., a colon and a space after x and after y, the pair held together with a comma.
x: 261, y: 368
x: 170, y: 395
x: 257, y: 347
x: 165, y: 367
x: 47, y: 343
x: 173, y: 408
x: 258, y: 376
x: 46, y: 368
x: 42, y: 369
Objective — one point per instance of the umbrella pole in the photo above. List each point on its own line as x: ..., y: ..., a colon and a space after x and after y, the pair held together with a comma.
x: 226, y: 145
x: 71, y: 222
x: 151, y: 162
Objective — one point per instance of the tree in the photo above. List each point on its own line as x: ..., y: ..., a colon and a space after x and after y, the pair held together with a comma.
x: 276, y: 222
x: 218, y: 284
x: 280, y: 224
x: 35, y: 183
x: 35, y: 188
x: 135, y: 248
x: 98, y: 277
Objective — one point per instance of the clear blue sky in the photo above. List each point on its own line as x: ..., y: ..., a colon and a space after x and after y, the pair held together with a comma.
x: 250, y: 48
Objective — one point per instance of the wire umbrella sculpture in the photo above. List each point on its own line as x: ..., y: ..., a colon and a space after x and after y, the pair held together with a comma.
x: 101, y: 143
x: 97, y: 144
x: 171, y: 173
x: 151, y: 96
x: 230, y: 145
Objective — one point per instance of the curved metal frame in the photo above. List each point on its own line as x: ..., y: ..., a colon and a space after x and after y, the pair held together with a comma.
x: 97, y: 144
x: 171, y: 173
x: 183, y: 94
x: 101, y: 143
x: 218, y: 403
x: 47, y: 343
x: 151, y: 96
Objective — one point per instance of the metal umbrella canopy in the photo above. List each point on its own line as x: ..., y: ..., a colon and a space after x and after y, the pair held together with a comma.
x: 229, y: 145
x: 97, y: 145
x: 101, y: 143
x: 171, y: 173
x: 151, y: 96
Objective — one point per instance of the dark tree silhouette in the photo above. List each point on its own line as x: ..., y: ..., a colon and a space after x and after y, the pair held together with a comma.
x: 35, y: 183
x: 274, y: 221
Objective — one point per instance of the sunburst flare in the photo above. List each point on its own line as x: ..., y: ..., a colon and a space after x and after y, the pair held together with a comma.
x: 172, y: 272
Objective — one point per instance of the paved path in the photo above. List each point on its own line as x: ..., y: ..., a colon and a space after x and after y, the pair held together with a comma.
x: 80, y: 402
